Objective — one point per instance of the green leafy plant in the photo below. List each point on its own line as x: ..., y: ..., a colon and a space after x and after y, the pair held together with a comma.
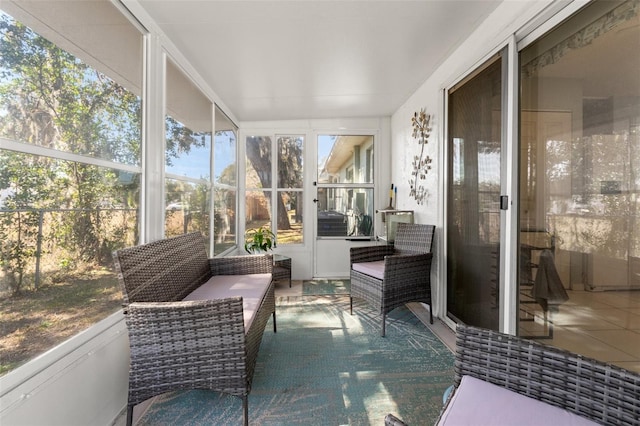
x: 259, y: 240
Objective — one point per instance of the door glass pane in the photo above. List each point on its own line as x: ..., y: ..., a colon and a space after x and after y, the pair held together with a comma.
x: 473, y: 198
x: 289, y: 198
x: 345, y: 212
x: 290, y: 149
x: 345, y: 159
x: 579, y: 184
x: 344, y: 199
x: 277, y: 208
x: 258, y: 162
x: 258, y: 209
x: 290, y: 217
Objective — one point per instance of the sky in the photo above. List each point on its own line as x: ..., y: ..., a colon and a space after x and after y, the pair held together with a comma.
x: 195, y: 164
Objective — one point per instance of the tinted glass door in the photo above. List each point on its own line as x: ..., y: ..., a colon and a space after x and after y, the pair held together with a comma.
x: 473, y: 197
x: 580, y: 185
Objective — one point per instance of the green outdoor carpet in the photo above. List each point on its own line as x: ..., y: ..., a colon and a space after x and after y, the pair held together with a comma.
x: 327, y: 367
x: 326, y: 286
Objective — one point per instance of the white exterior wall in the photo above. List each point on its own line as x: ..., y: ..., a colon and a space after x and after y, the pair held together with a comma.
x: 80, y: 382
x: 493, y: 34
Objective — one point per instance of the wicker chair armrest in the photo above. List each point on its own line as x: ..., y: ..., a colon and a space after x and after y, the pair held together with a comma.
x: 184, y: 319
x: 400, y: 265
x: 241, y: 265
x: 369, y: 253
x: 598, y: 391
x: 187, y: 344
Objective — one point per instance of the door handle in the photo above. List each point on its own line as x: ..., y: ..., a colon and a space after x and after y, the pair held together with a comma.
x: 504, y: 202
x: 315, y: 200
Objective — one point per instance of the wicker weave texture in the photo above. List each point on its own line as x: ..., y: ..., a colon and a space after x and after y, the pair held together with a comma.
x: 186, y: 345
x: 241, y: 265
x: 370, y: 253
x: 414, y: 238
x: 404, y: 281
x: 165, y: 270
x: 601, y: 392
x: 407, y: 270
x: 282, y: 269
x: 254, y: 334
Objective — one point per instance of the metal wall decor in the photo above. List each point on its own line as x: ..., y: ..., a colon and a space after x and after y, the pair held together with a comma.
x: 421, y: 164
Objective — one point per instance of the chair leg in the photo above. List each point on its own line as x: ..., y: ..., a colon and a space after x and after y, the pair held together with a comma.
x: 129, y: 415
x: 274, y: 322
x: 384, y: 320
x: 351, y: 305
x: 245, y: 409
x: 430, y: 314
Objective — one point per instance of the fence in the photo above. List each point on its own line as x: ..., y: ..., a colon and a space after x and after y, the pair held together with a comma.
x: 64, y: 234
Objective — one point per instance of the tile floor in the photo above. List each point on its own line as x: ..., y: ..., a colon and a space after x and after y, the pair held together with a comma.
x: 600, y: 325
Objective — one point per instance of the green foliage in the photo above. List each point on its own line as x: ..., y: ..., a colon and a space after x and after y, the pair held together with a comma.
x: 199, y: 202
x: 228, y: 175
x: 50, y: 98
x: 21, y: 176
x: 66, y: 264
x: 180, y: 139
x: 259, y: 240
x: 225, y: 148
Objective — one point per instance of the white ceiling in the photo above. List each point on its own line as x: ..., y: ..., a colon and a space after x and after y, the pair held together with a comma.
x: 277, y: 59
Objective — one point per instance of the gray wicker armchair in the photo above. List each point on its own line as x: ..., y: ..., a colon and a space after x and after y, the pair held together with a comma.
x: 592, y: 389
x: 181, y: 345
x: 388, y: 276
x: 601, y: 392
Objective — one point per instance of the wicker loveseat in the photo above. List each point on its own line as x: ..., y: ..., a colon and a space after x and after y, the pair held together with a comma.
x: 193, y: 322
x: 526, y: 382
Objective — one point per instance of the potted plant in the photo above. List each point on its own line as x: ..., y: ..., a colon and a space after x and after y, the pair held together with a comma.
x: 259, y: 240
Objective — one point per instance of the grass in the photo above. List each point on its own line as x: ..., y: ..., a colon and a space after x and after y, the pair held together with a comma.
x: 36, y: 321
x: 284, y: 236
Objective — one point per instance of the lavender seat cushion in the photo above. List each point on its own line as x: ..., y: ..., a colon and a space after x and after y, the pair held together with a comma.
x: 252, y: 288
x: 373, y: 269
x: 477, y: 402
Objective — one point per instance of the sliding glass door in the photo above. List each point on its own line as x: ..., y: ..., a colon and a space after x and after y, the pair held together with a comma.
x: 580, y: 184
x: 473, y: 197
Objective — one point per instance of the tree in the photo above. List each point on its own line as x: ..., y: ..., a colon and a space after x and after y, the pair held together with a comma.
x: 53, y: 99
x: 21, y: 175
x: 180, y: 139
x: 289, y: 155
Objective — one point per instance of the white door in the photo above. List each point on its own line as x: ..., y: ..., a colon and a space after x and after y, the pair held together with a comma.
x: 344, y: 201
